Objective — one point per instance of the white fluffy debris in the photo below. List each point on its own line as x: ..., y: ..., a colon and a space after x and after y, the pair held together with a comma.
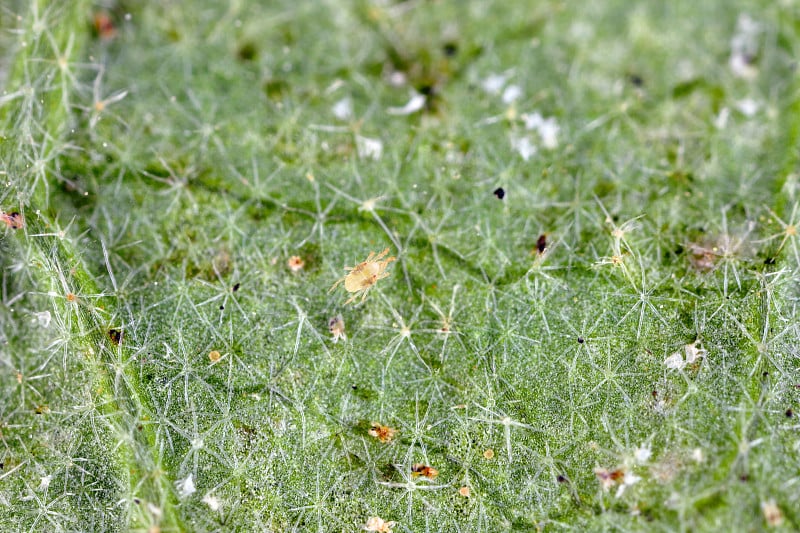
x: 693, y: 353
x: 642, y: 454
x: 744, y: 47
x: 369, y: 148
x: 511, y: 94
x: 748, y: 107
x: 43, y: 318
x: 547, y: 127
x: 494, y: 83
x: 213, y: 502
x: 44, y: 482
x: 186, y: 487
x: 343, y: 109
x: 416, y: 103
x: 523, y: 146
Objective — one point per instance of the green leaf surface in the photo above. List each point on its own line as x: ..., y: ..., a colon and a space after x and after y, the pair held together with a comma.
x: 611, y: 344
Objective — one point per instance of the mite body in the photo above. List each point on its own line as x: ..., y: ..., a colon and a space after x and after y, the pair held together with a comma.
x: 363, y: 276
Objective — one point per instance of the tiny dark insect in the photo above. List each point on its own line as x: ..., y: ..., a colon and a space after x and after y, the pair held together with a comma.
x: 561, y: 479
x: 236, y: 287
x: 580, y: 340
x: 636, y: 80
x: 769, y: 261
x: 541, y: 243
x: 450, y: 49
x: 500, y: 193
x: 789, y: 413
x: 116, y: 336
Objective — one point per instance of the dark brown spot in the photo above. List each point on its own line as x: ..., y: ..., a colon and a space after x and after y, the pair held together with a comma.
x: 450, y: 49
x: 236, y: 287
x: 115, y: 335
x: 247, y: 52
x: 789, y: 413
x: 562, y: 479
x: 541, y: 243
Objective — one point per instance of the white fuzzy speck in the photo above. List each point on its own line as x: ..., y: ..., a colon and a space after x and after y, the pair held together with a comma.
x: 44, y: 482
x: 532, y: 120
x: 415, y: 103
x: 547, y: 127
x: 722, y: 119
x: 212, y: 501
x: 675, y: 361
x: 628, y: 480
x: 694, y: 352
x: 748, y: 107
x: 343, y: 109
x: 511, y: 94
x: 186, y: 486
x: 523, y: 146
x: 43, y: 318
x: 744, y: 46
x: 548, y: 131
x: 697, y: 455
x: 369, y: 148
x: 642, y: 454
x: 494, y: 83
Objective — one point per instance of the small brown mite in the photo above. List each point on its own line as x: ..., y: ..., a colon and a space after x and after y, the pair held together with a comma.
x: 12, y: 220
x: 541, y: 243
x: 423, y: 470
x: 488, y: 454
x: 104, y: 26
x: 381, y: 432
x: 464, y: 491
x: 214, y: 356
x: 115, y: 335
x: 296, y: 263
x: 336, y: 327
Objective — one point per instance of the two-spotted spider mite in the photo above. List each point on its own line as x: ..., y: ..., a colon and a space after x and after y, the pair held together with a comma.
x: 363, y: 276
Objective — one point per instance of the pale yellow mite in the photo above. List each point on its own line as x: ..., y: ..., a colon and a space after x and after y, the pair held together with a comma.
x: 364, y: 275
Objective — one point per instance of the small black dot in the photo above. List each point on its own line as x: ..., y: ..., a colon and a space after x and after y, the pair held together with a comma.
x: 426, y: 89
x: 636, y: 80
x: 561, y: 479
x: 789, y: 413
x: 765, y: 374
x: 500, y: 193
x: 450, y: 49
x: 221, y: 307
x: 744, y: 478
x: 769, y: 261
x: 236, y: 287
x: 580, y: 340
x: 354, y: 387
